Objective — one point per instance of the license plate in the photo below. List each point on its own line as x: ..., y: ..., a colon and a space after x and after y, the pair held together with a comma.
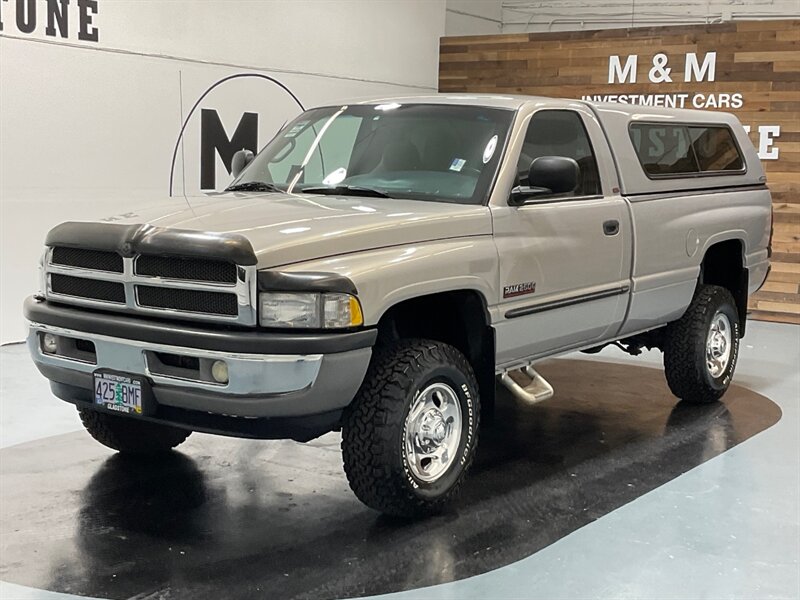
x: 119, y: 393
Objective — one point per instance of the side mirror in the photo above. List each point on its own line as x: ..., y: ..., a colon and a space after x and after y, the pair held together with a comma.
x: 548, y: 175
x: 240, y: 160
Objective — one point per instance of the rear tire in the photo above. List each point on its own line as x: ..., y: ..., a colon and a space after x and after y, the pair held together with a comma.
x: 127, y: 435
x: 409, y: 436
x: 701, y: 347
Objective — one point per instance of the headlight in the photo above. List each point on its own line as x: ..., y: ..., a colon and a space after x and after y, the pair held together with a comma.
x: 311, y: 311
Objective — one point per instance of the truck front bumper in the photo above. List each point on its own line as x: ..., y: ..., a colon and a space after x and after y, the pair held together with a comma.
x: 276, y: 382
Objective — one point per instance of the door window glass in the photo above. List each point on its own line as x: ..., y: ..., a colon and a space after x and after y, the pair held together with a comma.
x: 560, y: 133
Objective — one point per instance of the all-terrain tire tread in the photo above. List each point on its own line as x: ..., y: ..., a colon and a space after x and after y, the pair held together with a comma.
x: 684, y: 348
x: 371, y: 462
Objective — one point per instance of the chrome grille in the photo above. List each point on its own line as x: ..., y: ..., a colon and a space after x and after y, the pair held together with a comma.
x: 188, y: 288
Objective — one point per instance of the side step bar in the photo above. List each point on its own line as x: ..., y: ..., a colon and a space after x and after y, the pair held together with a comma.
x: 527, y: 385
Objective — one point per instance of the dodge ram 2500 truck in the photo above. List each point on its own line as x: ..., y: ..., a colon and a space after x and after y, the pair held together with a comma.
x: 379, y: 266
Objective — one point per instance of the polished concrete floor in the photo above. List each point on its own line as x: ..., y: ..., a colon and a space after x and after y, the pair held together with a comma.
x: 609, y: 490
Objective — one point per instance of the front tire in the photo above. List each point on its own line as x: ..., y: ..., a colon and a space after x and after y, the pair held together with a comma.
x: 409, y: 436
x: 702, y: 346
x: 127, y: 435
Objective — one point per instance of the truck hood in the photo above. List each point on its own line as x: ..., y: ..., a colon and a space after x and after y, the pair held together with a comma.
x: 291, y: 228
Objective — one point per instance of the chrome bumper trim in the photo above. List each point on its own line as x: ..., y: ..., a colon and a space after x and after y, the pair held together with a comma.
x: 267, y: 374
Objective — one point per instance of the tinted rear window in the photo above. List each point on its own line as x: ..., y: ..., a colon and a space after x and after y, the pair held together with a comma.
x: 668, y: 150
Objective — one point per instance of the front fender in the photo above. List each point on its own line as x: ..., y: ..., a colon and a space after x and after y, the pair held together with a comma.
x: 387, y: 276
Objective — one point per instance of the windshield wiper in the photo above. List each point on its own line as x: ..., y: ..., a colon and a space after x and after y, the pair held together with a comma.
x: 345, y: 190
x: 253, y: 186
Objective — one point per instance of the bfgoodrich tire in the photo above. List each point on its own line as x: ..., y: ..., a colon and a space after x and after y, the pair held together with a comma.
x: 127, y: 435
x: 702, y: 346
x: 409, y: 436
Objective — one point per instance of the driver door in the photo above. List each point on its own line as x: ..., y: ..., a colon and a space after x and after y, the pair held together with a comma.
x: 564, y: 260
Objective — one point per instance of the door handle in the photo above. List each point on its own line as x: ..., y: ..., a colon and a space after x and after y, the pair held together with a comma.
x: 611, y: 227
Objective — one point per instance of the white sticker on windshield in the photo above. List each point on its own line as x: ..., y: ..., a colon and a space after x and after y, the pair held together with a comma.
x: 335, y: 177
x: 489, y: 150
x: 457, y: 164
x: 296, y: 128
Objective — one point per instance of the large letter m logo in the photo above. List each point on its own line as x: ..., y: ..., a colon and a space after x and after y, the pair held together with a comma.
x: 213, y: 139
x: 618, y: 73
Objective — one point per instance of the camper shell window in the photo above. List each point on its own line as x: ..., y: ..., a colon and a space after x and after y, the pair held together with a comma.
x: 679, y: 150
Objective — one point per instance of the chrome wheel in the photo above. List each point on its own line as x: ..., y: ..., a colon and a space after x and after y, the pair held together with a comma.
x: 718, y: 345
x: 433, y: 432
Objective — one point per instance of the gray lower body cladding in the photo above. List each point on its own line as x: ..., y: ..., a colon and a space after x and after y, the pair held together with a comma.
x: 280, y: 386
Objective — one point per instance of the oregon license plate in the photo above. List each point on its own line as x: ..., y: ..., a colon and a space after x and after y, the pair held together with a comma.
x: 119, y: 393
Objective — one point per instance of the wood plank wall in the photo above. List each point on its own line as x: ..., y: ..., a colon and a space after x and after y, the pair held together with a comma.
x: 758, y: 59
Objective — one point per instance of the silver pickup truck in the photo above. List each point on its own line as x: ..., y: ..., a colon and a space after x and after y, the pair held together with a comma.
x: 380, y: 266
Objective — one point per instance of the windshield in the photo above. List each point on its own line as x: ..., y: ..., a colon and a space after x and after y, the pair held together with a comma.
x: 418, y: 151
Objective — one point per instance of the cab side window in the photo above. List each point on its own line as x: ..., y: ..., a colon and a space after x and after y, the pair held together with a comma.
x: 560, y: 133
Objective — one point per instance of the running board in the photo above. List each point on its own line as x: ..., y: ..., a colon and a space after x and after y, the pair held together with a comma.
x: 533, y: 391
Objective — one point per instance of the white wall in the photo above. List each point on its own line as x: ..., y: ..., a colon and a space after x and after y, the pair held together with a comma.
x: 87, y: 129
x: 568, y: 15
x: 473, y: 17
x: 483, y: 17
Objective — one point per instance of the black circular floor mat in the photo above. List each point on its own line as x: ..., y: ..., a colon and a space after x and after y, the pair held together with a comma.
x: 239, y: 518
